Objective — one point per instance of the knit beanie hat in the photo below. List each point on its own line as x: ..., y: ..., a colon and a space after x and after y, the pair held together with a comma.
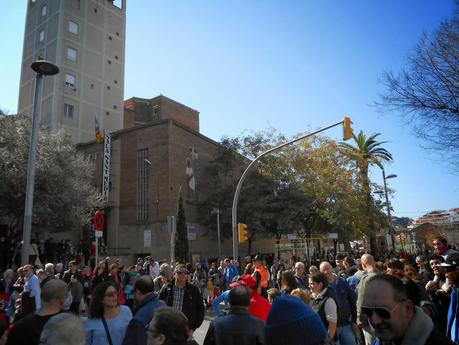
x: 291, y: 322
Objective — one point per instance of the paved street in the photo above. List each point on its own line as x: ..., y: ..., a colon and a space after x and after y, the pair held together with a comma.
x: 200, y: 333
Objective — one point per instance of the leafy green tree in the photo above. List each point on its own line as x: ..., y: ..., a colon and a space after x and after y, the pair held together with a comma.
x: 181, y: 237
x: 64, y: 195
x: 365, y: 152
x: 306, y: 188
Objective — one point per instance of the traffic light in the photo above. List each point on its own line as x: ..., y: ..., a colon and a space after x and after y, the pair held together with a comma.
x: 242, y: 232
x: 347, y: 129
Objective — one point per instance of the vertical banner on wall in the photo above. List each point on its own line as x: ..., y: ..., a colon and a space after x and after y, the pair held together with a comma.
x: 106, y: 171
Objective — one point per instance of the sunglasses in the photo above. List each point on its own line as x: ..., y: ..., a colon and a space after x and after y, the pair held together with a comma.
x: 382, y: 312
x: 181, y: 273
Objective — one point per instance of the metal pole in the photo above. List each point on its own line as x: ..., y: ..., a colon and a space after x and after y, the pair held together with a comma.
x: 244, y: 174
x: 218, y: 234
x: 28, y: 209
x: 391, y: 232
x: 96, y: 262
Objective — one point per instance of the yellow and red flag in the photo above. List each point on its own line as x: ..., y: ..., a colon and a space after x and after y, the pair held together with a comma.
x: 99, y: 134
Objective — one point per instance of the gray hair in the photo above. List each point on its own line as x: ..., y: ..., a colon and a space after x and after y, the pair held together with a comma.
x: 299, y: 264
x: 63, y: 329
x: 420, y: 258
x: 49, y: 267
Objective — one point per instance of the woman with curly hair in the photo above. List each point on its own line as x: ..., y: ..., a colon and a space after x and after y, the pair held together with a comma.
x: 108, y: 320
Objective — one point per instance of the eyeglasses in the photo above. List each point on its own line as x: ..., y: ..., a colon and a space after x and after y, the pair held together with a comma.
x: 382, y: 312
x: 111, y: 294
x: 437, y: 244
x: 181, y: 273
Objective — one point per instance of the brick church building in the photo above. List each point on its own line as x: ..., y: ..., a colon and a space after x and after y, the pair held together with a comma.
x: 158, y: 154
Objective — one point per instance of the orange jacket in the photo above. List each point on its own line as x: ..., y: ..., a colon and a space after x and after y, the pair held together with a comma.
x: 263, y: 274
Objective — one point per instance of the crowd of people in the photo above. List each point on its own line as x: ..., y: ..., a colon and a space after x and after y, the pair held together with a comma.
x: 351, y: 300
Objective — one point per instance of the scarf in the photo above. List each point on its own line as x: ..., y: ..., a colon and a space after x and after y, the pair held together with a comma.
x: 441, y: 251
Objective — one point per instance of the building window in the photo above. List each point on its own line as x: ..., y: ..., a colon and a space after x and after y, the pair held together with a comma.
x: 73, y: 27
x: 68, y: 111
x: 44, y: 10
x: 70, y: 81
x: 155, y: 110
x: 143, y: 169
x: 71, y: 54
x: 41, y: 35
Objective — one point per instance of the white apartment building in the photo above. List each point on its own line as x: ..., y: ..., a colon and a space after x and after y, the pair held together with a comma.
x: 86, y: 40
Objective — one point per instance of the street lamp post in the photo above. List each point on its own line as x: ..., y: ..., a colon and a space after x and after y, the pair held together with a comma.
x: 391, y: 230
x: 217, y: 211
x: 42, y: 68
x: 244, y: 175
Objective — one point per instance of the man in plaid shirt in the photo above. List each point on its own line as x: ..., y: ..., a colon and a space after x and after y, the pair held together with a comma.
x: 183, y: 296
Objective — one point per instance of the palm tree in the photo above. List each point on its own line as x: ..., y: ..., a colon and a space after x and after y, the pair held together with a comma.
x: 366, y: 152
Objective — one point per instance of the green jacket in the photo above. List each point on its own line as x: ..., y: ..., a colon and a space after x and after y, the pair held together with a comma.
x: 361, y: 318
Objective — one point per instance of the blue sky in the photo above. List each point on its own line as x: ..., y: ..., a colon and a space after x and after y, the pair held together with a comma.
x: 291, y: 65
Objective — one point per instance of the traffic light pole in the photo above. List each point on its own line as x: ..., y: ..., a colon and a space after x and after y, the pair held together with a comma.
x: 246, y: 171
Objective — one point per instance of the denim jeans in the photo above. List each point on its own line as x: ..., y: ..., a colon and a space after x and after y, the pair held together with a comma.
x: 346, y: 335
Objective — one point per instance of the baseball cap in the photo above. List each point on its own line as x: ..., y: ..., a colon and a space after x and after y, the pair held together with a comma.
x: 246, y: 280
x: 449, y: 267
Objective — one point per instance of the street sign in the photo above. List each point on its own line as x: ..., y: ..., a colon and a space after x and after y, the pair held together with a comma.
x: 291, y: 237
x: 191, y: 232
x: 333, y: 235
x: 171, y: 224
x: 99, y: 234
x: 98, y: 221
x: 106, y: 172
x: 147, y: 238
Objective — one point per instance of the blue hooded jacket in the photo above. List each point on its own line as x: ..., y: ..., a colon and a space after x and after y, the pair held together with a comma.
x: 136, y: 333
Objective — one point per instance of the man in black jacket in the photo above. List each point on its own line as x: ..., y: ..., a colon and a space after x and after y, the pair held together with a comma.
x: 238, y: 327
x: 184, y: 296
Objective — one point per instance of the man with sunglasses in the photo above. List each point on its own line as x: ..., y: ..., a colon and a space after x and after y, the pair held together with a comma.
x: 394, y: 317
x: 183, y: 296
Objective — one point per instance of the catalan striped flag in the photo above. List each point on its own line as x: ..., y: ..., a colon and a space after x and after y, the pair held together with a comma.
x: 99, y: 134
